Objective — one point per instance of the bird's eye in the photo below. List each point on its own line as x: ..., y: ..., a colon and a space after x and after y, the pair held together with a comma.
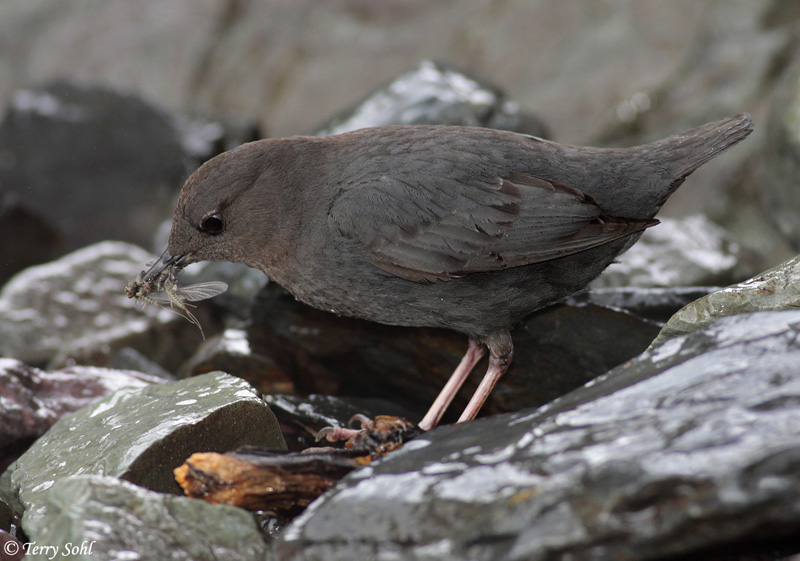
x: 212, y: 224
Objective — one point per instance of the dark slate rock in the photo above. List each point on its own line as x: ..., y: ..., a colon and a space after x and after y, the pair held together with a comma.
x: 141, y: 435
x: 11, y: 509
x: 32, y: 400
x: 319, y: 411
x: 113, y: 519
x: 690, y: 251
x: 556, y: 350
x: 435, y: 94
x: 654, y: 304
x: 27, y: 238
x: 302, y: 416
x: 75, y: 310
x: 776, y: 289
x: 691, y: 447
x: 203, y: 135
x: 780, y: 180
x: 562, y: 347
x: 130, y: 359
x: 230, y: 352
x: 94, y: 163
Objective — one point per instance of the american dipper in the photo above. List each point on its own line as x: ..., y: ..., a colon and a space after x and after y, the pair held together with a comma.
x: 462, y: 228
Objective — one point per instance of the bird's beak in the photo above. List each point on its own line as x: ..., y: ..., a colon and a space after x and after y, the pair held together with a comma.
x: 166, y: 260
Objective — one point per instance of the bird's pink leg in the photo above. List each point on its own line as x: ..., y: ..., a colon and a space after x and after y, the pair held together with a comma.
x: 501, y: 352
x: 474, y: 353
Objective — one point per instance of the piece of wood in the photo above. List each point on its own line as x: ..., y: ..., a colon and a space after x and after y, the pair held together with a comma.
x: 284, y: 484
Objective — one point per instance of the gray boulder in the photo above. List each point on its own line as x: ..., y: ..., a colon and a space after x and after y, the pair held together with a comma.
x: 690, y: 447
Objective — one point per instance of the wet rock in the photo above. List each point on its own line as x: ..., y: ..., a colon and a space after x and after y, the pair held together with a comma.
x: 654, y: 304
x: 32, y: 400
x: 780, y: 184
x: 691, y: 447
x: 230, y: 352
x: 113, y: 519
x: 83, y: 158
x: 294, y: 66
x: 562, y: 347
x: 320, y: 411
x: 776, y: 289
x: 75, y: 309
x: 96, y: 164
x: 10, y: 512
x: 203, y: 135
x: 6, y: 515
x: 435, y: 94
x: 10, y: 508
x: 28, y: 239
x: 690, y: 251
x: 302, y: 416
x: 130, y: 359
x: 141, y: 435
x: 556, y: 350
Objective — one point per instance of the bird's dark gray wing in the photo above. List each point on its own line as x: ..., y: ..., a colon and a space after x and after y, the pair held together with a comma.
x: 428, y: 232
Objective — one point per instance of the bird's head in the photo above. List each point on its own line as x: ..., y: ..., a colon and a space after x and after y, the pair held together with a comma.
x: 228, y: 210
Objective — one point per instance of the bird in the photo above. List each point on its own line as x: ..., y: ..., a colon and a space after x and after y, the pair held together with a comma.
x: 464, y: 228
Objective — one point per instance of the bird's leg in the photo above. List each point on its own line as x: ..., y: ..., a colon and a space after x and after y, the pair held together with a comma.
x: 474, y: 353
x: 501, y: 353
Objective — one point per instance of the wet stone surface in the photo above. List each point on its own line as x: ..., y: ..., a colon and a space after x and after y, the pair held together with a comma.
x: 32, y: 400
x: 435, y: 94
x: 302, y: 416
x: 130, y: 359
x: 692, y: 446
x: 690, y: 251
x: 75, y: 308
x: 653, y: 304
x: 230, y: 352
x: 141, y: 435
x: 776, y: 289
x: 781, y: 174
x: 123, y: 521
x: 42, y: 242
x: 132, y: 156
x: 120, y: 158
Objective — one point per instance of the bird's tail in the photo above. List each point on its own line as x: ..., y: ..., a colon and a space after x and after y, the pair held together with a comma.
x: 687, y: 151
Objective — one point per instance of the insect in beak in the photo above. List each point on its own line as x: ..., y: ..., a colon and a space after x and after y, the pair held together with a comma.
x: 158, y: 286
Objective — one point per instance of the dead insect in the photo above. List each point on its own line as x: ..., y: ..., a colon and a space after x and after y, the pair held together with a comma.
x: 163, y: 290
x: 141, y: 290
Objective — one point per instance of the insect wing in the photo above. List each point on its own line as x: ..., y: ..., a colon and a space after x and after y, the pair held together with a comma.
x: 201, y: 291
x: 157, y: 298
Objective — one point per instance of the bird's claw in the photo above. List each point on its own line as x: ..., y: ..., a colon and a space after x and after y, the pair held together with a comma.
x: 375, y: 438
x: 337, y: 434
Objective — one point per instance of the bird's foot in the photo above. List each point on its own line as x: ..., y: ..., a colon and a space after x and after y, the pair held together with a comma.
x: 338, y: 434
x: 376, y: 437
